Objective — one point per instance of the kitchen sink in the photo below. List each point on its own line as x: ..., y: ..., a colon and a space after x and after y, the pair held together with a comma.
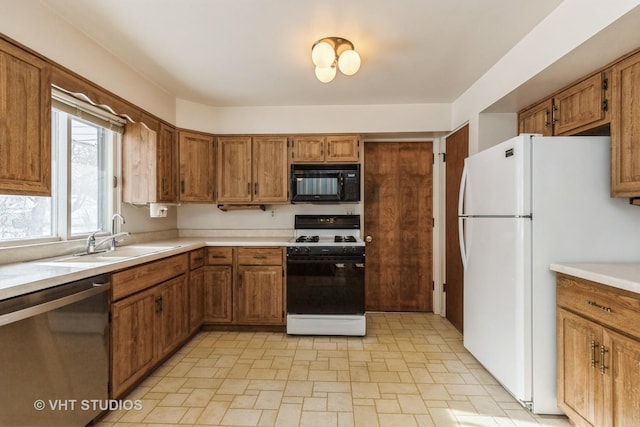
x: 106, y: 257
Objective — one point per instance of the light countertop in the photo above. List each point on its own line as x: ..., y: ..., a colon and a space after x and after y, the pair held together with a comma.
x: 618, y: 275
x: 24, y: 277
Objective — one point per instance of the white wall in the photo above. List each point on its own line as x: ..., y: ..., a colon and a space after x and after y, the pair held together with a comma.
x: 34, y: 25
x: 315, y: 119
x: 573, y: 23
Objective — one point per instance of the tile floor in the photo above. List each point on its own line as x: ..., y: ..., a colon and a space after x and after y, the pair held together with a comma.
x: 410, y: 370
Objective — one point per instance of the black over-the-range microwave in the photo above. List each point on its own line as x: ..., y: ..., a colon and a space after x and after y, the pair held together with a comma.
x: 325, y: 183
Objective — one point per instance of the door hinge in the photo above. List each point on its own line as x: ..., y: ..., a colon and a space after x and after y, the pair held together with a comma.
x: 444, y: 287
x: 605, y: 84
x: 433, y: 222
x: 444, y: 157
x: 433, y: 159
x: 110, y: 317
x: 605, y: 105
x: 433, y: 285
x: 115, y: 181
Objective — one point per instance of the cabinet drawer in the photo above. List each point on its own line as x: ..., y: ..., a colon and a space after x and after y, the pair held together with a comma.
x: 219, y: 256
x: 196, y: 259
x: 260, y: 256
x: 612, y: 307
x: 135, y: 279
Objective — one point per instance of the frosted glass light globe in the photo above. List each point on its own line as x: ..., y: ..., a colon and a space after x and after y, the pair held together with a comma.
x: 325, y: 74
x: 349, y: 62
x: 323, y: 55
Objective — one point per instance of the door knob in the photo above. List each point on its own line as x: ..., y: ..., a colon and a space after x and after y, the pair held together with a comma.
x: 368, y: 239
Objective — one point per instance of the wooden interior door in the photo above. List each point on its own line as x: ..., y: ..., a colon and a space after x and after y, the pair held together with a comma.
x: 398, y: 219
x: 457, y: 148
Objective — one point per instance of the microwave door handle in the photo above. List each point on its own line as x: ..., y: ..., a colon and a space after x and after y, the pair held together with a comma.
x: 341, y: 180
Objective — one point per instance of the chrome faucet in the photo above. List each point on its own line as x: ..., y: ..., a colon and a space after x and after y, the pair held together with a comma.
x: 113, y: 241
x: 91, y: 242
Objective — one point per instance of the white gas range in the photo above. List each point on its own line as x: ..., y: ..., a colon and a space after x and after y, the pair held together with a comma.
x: 325, y: 276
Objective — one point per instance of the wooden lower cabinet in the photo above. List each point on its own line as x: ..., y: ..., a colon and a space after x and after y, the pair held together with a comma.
x: 131, y: 340
x: 196, y: 289
x: 218, y: 286
x: 598, y: 353
x: 244, y: 286
x: 148, y: 322
x: 259, y: 295
x: 171, y: 324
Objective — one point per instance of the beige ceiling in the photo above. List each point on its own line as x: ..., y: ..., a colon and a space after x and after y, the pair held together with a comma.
x: 257, y: 52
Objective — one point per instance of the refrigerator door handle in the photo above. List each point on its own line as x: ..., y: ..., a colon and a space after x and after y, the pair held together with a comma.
x: 463, y: 247
x: 463, y: 189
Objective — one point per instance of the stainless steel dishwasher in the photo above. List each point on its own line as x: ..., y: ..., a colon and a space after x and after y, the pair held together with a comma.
x: 54, y: 355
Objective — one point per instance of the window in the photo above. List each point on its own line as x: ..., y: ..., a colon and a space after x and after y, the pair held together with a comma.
x: 84, y: 143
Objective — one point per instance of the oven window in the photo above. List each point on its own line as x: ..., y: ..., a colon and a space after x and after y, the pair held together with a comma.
x: 325, y: 288
x: 317, y: 186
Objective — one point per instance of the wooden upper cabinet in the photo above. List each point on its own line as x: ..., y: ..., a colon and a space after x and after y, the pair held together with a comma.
x: 582, y: 106
x: 576, y: 109
x: 625, y: 131
x: 270, y: 171
x: 139, y: 164
x: 234, y: 169
x: 25, y: 128
x: 167, y: 168
x: 343, y: 148
x: 308, y: 149
x: 252, y: 169
x: 320, y: 149
x: 537, y: 119
x: 197, y: 173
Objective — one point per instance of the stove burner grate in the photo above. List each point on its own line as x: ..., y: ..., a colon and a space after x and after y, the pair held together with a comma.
x: 348, y: 239
x: 308, y: 239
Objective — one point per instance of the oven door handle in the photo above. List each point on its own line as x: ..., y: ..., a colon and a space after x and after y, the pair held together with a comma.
x: 358, y: 261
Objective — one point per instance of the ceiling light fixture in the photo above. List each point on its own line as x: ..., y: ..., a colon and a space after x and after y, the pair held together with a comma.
x: 330, y: 53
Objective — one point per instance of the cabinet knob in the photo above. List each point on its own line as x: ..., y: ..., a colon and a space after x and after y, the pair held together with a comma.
x: 368, y: 239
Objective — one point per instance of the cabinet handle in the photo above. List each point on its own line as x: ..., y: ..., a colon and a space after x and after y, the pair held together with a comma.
x: 328, y: 148
x: 182, y: 186
x: 603, y: 351
x: 546, y: 118
x: 596, y: 305
x: 239, y: 281
x: 218, y: 256
x: 259, y: 257
x: 255, y: 189
x: 555, y: 112
x: 248, y: 188
x: 158, y: 304
x: 593, y: 354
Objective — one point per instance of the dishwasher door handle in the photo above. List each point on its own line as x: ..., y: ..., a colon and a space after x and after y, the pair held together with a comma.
x: 25, y: 313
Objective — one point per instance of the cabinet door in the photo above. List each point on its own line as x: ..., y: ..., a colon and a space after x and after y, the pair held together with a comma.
x: 234, y: 170
x: 579, y: 379
x: 625, y: 132
x: 270, y: 172
x: 260, y: 295
x: 343, y: 148
x: 218, y: 282
x: 581, y: 106
x: 197, y: 155
x: 25, y: 105
x: 131, y: 340
x: 172, y: 315
x: 537, y: 119
x: 139, y: 164
x: 621, y: 364
x: 167, y: 167
x: 308, y: 149
x: 196, y: 298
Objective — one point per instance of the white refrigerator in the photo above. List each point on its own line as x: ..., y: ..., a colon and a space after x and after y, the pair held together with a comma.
x: 524, y: 204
